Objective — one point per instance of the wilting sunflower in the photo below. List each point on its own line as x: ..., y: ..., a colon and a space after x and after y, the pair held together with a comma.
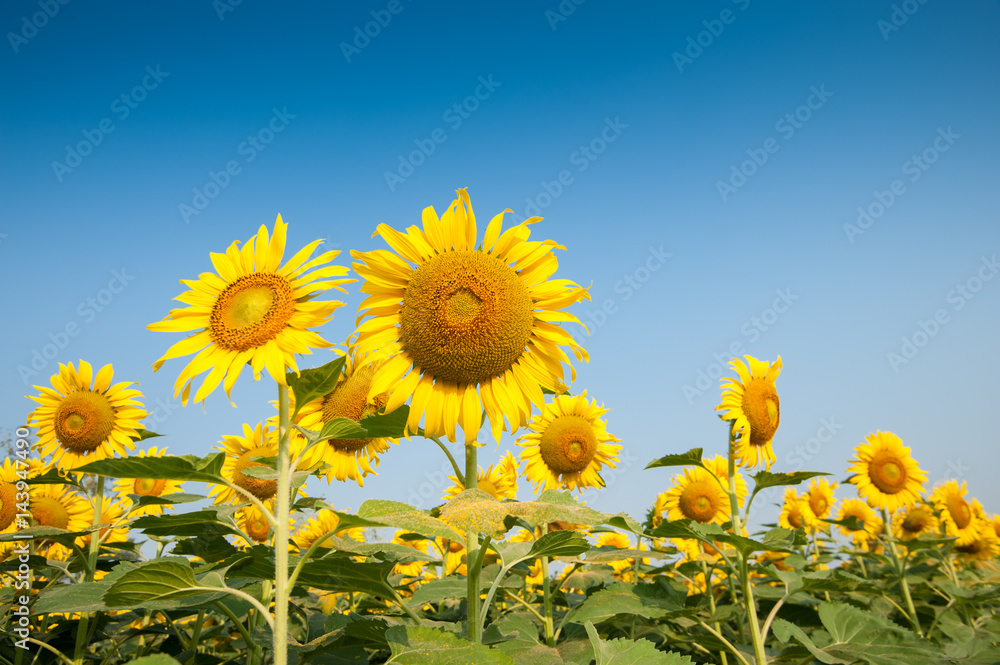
x: 957, y: 514
x: 913, y: 522
x: 697, y: 495
x: 870, y: 525
x: 467, y: 328
x: 241, y: 453
x: 112, y: 514
x: 147, y: 487
x: 61, y: 507
x: 345, y: 458
x: 253, y: 311
x: 820, y: 497
x: 568, y: 445
x: 795, y: 512
x: 885, y: 473
x: 498, y: 480
x: 83, y: 417
x: 984, y: 544
x: 752, y: 403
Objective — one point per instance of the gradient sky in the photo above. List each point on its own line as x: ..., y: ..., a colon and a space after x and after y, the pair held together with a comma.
x: 835, y: 101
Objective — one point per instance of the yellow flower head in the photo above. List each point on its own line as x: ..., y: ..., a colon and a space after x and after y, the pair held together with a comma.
x: 416, y: 568
x: 346, y: 459
x: 752, y: 403
x: 243, y: 452
x: 12, y: 472
x: 795, y: 512
x: 885, y: 473
x: 61, y: 507
x: 719, y: 465
x: 913, y: 522
x: 568, y: 445
x: 83, y: 417
x: 253, y: 311
x: 957, y: 514
x: 322, y: 523
x: 147, y: 487
x: 696, y: 495
x: 498, y: 480
x: 254, y: 524
x: 984, y: 545
x: 820, y: 497
x: 468, y: 326
x: 870, y: 525
x: 624, y: 568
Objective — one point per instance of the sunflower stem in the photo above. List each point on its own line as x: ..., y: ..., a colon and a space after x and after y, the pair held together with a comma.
x: 281, y: 534
x: 547, y: 603
x: 95, y: 545
x: 451, y: 458
x: 472, y: 552
x: 901, y: 569
x: 734, y: 509
x: 711, y: 604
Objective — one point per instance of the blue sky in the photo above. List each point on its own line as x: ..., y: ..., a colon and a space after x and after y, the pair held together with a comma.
x: 822, y: 177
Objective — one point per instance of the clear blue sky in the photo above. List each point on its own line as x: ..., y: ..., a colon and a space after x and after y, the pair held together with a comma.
x: 737, y: 137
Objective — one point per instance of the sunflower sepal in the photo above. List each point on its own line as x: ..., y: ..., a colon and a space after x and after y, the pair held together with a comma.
x: 309, y: 384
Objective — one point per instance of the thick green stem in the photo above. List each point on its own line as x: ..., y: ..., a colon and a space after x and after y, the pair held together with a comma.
x: 82, y: 626
x: 237, y: 624
x: 472, y: 551
x: 547, y: 603
x: 901, y: 569
x: 711, y: 603
x: 282, y: 510
x: 196, y: 637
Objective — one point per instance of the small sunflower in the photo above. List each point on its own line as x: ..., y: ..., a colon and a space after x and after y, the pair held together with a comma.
x: 913, y: 522
x: 320, y: 524
x: 795, y: 512
x: 466, y: 328
x: 241, y: 453
x: 820, y: 497
x: 885, y: 473
x: 346, y: 459
x: 83, y: 417
x: 568, y: 445
x: 254, y: 524
x: 147, y: 486
x: 870, y: 523
x: 752, y: 403
x: 498, y: 480
x: 253, y: 311
x: 696, y: 495
x: 112, y: 514
x: 624, y: 568
x: 61, y: 507
x: 957, y: 514
x: 453, y: 560
x: 984, y: 544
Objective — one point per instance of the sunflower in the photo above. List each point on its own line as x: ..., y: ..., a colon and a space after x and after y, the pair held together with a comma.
x: 61, y: 507
x: 984, y: 544
x: 568, y: 445
x: 322, y: 523
x: 820, y: 497
x: 345, y: 458
x: 254, y: 524
x: 416, y: 568
x: 913, y: 522
x: 885, y: 473
x: 83, y: 417
x: 624, y: 568
x: 467, y: 328
x: 697, y: 495
x: 752, y: 403
x: 795, y: 512
x: 719, y: 465
x: 147, y: 487
x: 870, y: 525
x: 10, y: 476
x: 498, y: 480
x: 957, y: 514
x: 112, y: 514
x: 241, y: 451
x: 452, y: 556
x: 252, y: 311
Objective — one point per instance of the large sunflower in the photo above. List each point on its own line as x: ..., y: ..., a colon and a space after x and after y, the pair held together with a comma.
x: 243, y: 452
x: 885, y: 473
x: 83, y: 417
x: 568, y: 445
x: 498, y: 480
x: 467, y: 328
x: 820, y: 497
x: 958, y: 515
x: 869, y: 524
x: 913, y: 522
x: 752, y: 403
x: 719, y: 465
x: 147, y: 487
x: 61, y: 507
x: 696, y: 495
x: 345, y: 458
x: 253, y: 311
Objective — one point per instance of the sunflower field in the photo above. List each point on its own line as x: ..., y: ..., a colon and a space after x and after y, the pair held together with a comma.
x: 109, y: 554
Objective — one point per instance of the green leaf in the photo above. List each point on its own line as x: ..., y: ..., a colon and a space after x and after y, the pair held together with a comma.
x: 140, y: 501
x: 52, y: 477
x: 690, y: 458
x: 341, y: 428
x: 345, y: 574
x: 764, y: 479
x: 521, y: 641
x: 168, y: 467
x: 652, y: 601
x: 144, y: 434
x: 404, y: 516
x: 153, y: 581
x: 626, y: 652
x: 385, y: 425
x: 60, y: 536
x: 436, y: 646
x: 713, y: 533
x: 203, y: 522
x: 158, y: 659
x: 559, y: 543
x: 309, y: 384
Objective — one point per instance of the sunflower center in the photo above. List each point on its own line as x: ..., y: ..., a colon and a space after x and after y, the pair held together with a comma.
x: 568, y: 444
x: 761, y: 406
x: 466, y: 317
x: 975, y: 547
x: 83, y: 421
x: 916, y: 521
x: 699, y: 501
x: 350, y: 400
x: 260, y: 488
x: 8, y: 504
x: 819, y: 504
x: 48, y: 511
x: 148, y: 487
x: 251, y: 311
x: 959, y: 510
x: 888, y: 474
x: 795, y: 517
